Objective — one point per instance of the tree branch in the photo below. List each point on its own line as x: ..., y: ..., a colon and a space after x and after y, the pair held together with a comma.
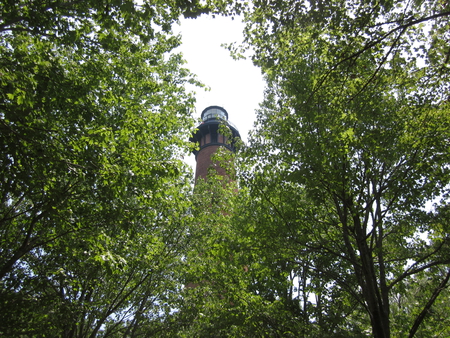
x: 372, y: 44
x: 427, y: 306
x: 412, y: 270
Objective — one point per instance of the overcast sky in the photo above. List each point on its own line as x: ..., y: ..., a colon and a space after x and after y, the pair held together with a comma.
x: 236, y: 86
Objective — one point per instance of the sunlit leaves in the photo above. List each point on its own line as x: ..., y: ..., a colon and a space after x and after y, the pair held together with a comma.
x: 94, y: 120
x: 351, y: 144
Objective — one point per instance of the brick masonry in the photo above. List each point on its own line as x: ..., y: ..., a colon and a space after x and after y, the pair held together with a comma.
x: 204, y: 162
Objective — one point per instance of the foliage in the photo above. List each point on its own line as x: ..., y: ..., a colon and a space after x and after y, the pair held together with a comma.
x: 93, y: 122
x: 219, y: 300
x: 350, y: 151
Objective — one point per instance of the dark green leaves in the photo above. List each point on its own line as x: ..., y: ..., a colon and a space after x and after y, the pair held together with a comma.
x: 350, y: 145
x: 93, y: 122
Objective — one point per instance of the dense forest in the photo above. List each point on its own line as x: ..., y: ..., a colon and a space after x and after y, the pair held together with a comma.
x: 338, y: 221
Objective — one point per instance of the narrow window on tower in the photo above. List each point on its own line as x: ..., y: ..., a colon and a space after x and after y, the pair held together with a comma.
x: 214, y: 137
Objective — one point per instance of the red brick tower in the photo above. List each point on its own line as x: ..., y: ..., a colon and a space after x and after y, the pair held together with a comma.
x: 209, y: 139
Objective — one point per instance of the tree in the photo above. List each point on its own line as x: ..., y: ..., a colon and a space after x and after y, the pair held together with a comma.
x: 94, y: 118
x: 221, y: 300
x: 350, y: 146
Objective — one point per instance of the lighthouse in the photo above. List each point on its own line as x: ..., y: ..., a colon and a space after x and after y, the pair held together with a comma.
x: 209, y: 137
x: 214, y: 132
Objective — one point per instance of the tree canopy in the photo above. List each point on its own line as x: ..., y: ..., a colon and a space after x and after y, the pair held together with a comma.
x: 93, y: 122
x: 338, y: 223
x: 349, y: 170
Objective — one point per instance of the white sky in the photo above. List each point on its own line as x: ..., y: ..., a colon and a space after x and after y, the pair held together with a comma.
x: 236, y: 86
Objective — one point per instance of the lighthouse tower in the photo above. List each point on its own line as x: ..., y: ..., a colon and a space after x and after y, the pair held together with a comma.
x: 209, y: 138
